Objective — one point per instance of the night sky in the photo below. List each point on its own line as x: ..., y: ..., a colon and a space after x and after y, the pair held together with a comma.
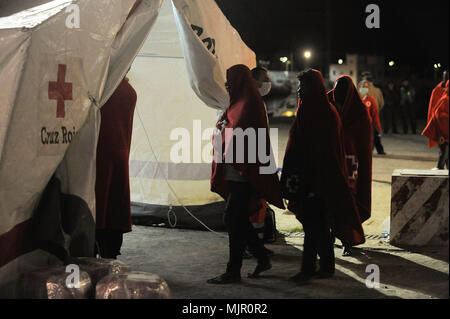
x: 412, y: 33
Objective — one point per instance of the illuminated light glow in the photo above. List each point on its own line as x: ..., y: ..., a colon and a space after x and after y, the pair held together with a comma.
x: 435, y: 66
x: 283, y: 59
x: 288, y: 114
x: 307, y: 54
x: 439, y: 65
x: 340, y: 61
x: 391, y: 63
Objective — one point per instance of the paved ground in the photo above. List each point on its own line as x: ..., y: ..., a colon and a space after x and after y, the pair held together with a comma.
x: 186, y: 259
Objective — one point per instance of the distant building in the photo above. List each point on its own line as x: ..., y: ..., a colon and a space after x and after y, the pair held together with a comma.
x: 349, y: 67
x: 355, y: 64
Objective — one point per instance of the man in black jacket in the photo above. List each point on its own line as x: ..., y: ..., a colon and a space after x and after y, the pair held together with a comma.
x: 392, y: 104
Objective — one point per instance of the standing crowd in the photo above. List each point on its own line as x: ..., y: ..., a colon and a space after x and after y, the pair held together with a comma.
x: 327, y: 184
x: 327, y: 169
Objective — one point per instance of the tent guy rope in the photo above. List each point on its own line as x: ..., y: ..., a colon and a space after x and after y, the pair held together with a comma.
x: 171, y: 188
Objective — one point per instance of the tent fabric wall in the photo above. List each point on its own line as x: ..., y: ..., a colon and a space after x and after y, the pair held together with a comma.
x: 166, y: 102
x: 211, y: 45
x: 48, y: 51
x: 180, y: 84
x: 93, y: 59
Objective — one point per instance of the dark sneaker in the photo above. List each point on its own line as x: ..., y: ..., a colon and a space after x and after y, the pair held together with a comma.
x: 224, y: 279
x: 347, y: 252
x: 302, y: 277
x: 261, y: 267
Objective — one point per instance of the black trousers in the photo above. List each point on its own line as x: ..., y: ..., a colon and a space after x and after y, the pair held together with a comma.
x: 377, y: 142
x: 109, y: 242
x: 443, y: 156
x: 408, y: 112
x: 241, y: 232
x: 390, y: 118
x: 319, y: 240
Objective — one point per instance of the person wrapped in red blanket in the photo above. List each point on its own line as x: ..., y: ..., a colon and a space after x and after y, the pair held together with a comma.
x: 243, y: 175
x: 436, y: 95
x: 437, y: 129
x: 314, y: 179
x: 357, y: 139
x: 112, y: 187
x: 374, y: 116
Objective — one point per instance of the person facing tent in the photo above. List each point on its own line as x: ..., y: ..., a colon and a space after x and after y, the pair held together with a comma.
x: 437, y: 129
x: 357, y: 139
x: 314, y: 179
x: 112, y: 187
x: 242, y: 184
x: 262, y: 80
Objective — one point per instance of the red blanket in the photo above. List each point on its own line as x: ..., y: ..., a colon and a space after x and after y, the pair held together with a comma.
x: 316, y: 150
x: 246, y: 111
x: 437, y: 125
x: 112, y: 188
x: 437, y: 129
x: 358, y: 140
x: 372, y: 110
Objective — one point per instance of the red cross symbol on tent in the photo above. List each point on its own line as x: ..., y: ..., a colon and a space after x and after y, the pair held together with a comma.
x: 352, y: 165
x: 60, y: 91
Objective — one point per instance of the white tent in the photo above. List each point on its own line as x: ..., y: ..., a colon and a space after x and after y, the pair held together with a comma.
x: 55, y: 75
x: 54, y: 81
x: 167, y: 107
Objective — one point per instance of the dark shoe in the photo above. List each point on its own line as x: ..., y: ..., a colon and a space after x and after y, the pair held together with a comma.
x: 261, y: 267
x: 347, y: 252
x: 382, y: 153
x: 224, y: 279
x: 302, y: 277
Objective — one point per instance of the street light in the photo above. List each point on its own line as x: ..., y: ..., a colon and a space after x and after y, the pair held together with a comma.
x: 436, y: 66
x: 283, y: 59
x: 340, y: 61
x: 391, y: 63
x: 307, y: 54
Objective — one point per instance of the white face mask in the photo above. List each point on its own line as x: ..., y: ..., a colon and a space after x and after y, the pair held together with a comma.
x: 364, y: 91
x: 265, y: 88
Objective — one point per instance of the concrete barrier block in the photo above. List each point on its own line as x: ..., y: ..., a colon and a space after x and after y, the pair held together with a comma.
x: 419, y: 208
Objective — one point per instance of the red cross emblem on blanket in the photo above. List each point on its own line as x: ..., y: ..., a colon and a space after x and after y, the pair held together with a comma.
x: 60, y: 91
x: 352, y: 165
